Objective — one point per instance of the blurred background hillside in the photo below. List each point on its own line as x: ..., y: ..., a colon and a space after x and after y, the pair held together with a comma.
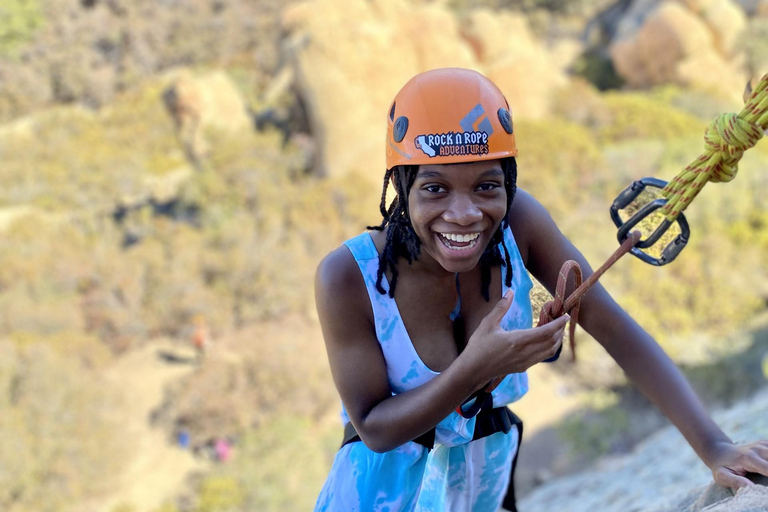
x: 173, y: 171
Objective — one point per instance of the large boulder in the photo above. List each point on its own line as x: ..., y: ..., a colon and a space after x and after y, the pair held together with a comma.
x: 350, y: 58
x: 687, y: 42
x: 201, y: 102
x: 515, y: 61
x: 725, y: 20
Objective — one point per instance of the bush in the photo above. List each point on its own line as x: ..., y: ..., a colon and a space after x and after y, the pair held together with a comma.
x: 19, y: 21
x: 281, y: 466
x: 754, y: 42
x: 635, y: 115
x: 86, y: 52
x: 58, y: 438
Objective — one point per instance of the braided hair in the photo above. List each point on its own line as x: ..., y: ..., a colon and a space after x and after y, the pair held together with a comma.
x: 402, y: 241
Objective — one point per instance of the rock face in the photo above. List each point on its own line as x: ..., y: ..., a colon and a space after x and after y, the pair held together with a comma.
x: 515, y: 61
x: 687, y: 42
x: 662, y: 475
x: 352, y: 56
x: 197, y: 103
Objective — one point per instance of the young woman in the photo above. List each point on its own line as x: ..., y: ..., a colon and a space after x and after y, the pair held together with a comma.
x: 421, y: 313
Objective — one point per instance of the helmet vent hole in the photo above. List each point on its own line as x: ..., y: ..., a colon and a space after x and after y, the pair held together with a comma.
x: 392, y: 112
x: 505, y: 118
x: 401, y: 126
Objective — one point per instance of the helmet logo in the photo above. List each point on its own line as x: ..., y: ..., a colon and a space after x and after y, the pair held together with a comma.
x: 452, y: 143
x: 469, y: 141
x: 401, y: 126
x: 506, y: 120
x: 468, y: 123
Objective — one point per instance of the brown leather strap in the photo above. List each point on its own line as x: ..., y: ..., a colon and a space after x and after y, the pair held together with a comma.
x: 560, y: 306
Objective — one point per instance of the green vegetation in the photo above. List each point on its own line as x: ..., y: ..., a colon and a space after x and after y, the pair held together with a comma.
x: 597, y: 68
x: 560, y: 7
x: 58, y: 434
x: 754, y: 42
x: 89, y: 161
x: 19, y: 20
x: 278, y: 467
x: 86, y: 52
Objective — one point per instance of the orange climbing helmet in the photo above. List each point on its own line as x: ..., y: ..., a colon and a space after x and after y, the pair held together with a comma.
x: 448, y: 116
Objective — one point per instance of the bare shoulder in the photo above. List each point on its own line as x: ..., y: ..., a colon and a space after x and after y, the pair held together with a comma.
x: 338, y: 270
x: 340, y: 290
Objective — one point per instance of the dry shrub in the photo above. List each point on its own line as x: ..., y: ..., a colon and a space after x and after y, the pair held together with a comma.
x: 58, y: 436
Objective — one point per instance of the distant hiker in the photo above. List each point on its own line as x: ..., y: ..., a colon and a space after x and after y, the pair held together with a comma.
x: 413, y: 347
x: 182, y: 438
x: 201, y: 337
x: 223, y: 450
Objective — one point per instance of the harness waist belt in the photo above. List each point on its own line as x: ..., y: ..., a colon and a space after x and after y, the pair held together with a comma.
x: 488, y: 422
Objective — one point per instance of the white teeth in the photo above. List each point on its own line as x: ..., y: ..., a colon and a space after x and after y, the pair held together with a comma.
x: 460, y: 238
x: 472, y: 239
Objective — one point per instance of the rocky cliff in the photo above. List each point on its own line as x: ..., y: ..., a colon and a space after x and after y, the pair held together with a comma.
x: 663, y: 474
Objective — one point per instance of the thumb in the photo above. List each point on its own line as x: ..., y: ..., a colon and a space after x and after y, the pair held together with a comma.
x: 500, y: 309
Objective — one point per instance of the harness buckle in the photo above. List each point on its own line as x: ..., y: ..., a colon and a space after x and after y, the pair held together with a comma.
x: 673, y: 248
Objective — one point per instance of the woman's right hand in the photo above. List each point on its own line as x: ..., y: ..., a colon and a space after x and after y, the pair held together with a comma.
x: 498, y: 352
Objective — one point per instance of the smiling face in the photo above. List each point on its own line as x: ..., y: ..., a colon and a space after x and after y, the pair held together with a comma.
x: 455, y: 209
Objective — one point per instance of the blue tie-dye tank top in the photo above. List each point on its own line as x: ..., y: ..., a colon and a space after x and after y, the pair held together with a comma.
x: 458, y: 474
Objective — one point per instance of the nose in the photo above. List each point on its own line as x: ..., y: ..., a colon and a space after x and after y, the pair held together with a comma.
x: 462, y: 210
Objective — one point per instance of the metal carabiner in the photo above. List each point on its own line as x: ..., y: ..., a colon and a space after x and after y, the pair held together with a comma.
x: 623, y: 200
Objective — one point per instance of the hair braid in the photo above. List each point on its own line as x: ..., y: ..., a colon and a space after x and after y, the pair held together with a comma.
x: 401, y: 240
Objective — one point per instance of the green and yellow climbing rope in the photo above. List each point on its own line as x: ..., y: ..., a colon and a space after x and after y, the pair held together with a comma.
x: 726, y: 140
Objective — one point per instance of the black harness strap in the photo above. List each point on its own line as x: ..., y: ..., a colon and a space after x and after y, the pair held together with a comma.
x: 488, y: 422
x: 495, y: 420
x: 509, y: 502
x: 427, y: 440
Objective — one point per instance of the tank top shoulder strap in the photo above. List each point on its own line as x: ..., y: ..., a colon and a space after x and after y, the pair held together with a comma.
x: 367, y: 257
x: 362, y: 248
x: 404, y: 368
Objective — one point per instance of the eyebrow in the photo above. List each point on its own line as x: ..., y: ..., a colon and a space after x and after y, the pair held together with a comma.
x: 486, y: 174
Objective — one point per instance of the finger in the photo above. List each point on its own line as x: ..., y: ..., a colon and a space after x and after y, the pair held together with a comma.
x: 544, y: 333
x: 553, y: 326
x: 761, y: 450
x: 726, y: 478
x: 754, y: 463
x: 557, y: 342
x: 500, y: 309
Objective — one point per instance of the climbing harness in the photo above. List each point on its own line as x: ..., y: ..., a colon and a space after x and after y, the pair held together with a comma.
x: 488, y: 422
x: 725, y: 140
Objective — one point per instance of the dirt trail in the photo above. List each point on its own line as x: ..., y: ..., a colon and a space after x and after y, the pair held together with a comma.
x: 157, y: 469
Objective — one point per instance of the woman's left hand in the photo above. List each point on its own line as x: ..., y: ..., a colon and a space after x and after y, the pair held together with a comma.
x: 732, y: 462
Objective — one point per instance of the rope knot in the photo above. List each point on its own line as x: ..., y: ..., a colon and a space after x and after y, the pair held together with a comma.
x: 731, y: 135
x: 725, y: 141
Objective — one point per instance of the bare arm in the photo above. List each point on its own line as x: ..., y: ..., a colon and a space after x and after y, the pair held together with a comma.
x: 359, y: 371
x: 634, y: 350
